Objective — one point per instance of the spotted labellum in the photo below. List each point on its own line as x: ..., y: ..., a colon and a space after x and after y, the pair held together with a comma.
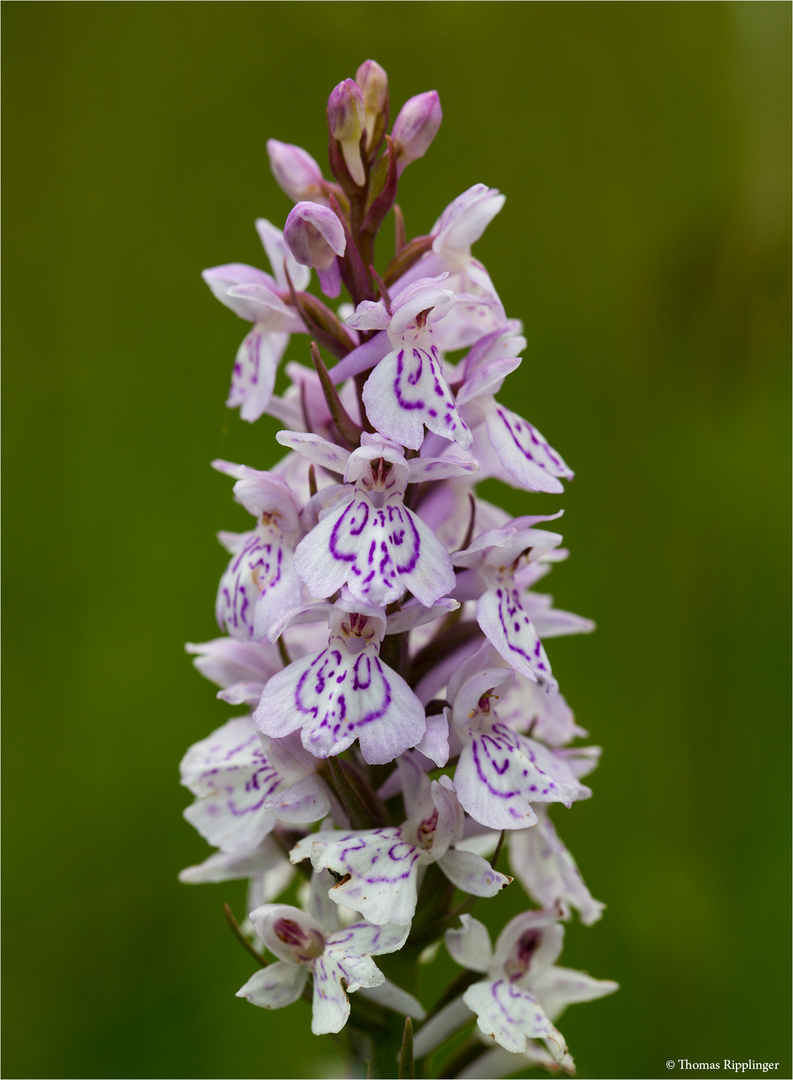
x: 401, y: 745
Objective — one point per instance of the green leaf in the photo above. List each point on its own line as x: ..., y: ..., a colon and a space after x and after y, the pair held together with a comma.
x: 406, y: 1066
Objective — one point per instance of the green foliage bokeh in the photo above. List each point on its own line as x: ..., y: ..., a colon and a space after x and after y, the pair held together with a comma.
x: 644, y: 151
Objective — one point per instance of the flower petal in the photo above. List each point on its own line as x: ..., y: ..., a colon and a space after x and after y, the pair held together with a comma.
x: 407, y: 390
x: 529, y: 707
x: 323, y: 571
x: 511, y: 1015
x: 469, y: 944
x: 289, y: 933
x: 449, y: 824
x: 337, y: 697
x: 253, y: 375
x: 379, y: 869
x: 240, y: 864
x: 414, y: 614
x: 331, y: 1007
x: 504, y: 621
x: 472, y: 873
x: 527, y: 457
x: 463, y: 221
x: 278, y: 253
x: 391, y: 996
x: 499, y: 1062
x: 222, y: 278
x: 316, y: 449
x: 225, y: 661
x: 362, y: 358
x: 547, y: 870
x: 275, y: 986
x: 258, y: 584
x: 500, y: 774
x: 435, y: 744
x: 305, y: 801
x: 487, y: 377
x: 231, y: 776
x: 440, y: 468
x: 263, y: 494
x: 261, y: 304
x: 559, y: 987
x: 366, y: 939
x: 549, y: 621
x: 529, y: 944
x: 379, y: 552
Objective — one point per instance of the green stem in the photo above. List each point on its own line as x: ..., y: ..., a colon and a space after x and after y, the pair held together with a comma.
x: 359, y: 800
x: 238, y: 934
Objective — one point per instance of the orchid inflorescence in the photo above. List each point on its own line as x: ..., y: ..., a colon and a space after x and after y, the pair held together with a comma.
x: 382, y: 631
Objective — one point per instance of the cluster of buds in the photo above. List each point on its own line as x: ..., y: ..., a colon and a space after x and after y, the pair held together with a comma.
x: 403, y: 737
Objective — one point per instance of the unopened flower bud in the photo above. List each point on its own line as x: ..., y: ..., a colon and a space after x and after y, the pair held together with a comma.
x: 295, y: 171
x: 416, y: 127
x: 315, y: 236
x: 373, y: 82
x: 347, y: 123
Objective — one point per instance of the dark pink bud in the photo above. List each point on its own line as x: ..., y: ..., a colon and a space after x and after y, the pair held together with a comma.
x: 347, y: 123
x: 295, y: 171
x: 373, y: 82
x: 314, y: 235
x: 416, y: 127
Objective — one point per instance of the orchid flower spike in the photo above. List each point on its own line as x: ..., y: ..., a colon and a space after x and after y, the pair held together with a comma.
x: 402, y: 745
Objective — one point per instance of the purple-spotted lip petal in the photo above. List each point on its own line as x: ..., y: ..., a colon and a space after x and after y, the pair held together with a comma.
x: 344, y: 693
x: 375, y: 547
x: 408, y: 391
x: 380, y: 868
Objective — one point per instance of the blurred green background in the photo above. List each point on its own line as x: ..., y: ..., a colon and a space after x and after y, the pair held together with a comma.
x: 643, y: 148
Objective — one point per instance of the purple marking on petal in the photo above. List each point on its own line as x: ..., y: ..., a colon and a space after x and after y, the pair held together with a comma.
x: 411, y: 378
x: 483, y: 750
x: 254, y: 569
x: 520, y: 636
x: 381, y: 545
x: 535, y: 449
x: 501, y: 773
x: 422, y: 377
x: 238, y: 777
x: 338, y: 694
